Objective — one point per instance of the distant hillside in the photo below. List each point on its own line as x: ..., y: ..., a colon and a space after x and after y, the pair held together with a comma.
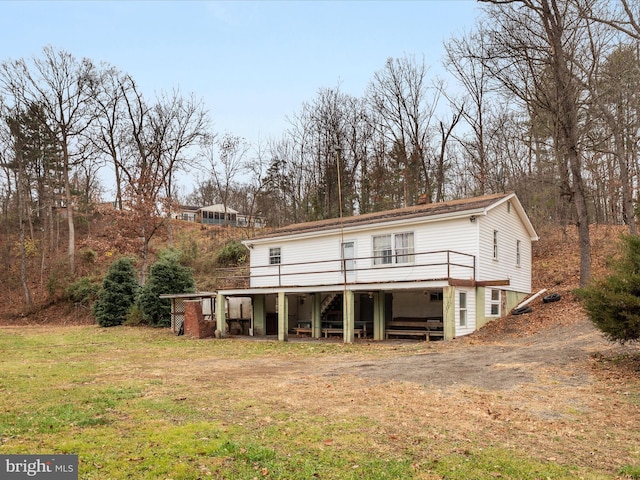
x: 555, y: 267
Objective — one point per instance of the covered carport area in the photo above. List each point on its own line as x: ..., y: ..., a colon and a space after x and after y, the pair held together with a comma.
x: 281, y: 310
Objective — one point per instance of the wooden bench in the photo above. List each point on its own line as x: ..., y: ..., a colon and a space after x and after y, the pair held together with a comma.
x: 328, y: 331
x: 430, y: 327
x: 303, y: 327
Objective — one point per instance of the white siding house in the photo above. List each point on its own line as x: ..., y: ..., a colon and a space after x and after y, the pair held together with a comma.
x: 464, y: 262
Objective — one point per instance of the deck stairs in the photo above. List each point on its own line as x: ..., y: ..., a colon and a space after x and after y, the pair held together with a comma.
x: 331, y: 306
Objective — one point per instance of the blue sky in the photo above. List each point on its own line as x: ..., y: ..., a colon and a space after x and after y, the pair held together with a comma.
x: 253, y: 63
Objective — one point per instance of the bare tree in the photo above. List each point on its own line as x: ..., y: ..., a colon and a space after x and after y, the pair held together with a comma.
x: 227, y: 159
x: 461, y: 60
x: 62, y: 85
x: 441, y: 165
x: 256, y: 168
x: 19, y: 168
x: 614, y: 87
x: 399, y: 95
x: 534, y: 50
x: 179, y: 125
x: 148, y: 144
x: 614, y: 84
x: 109, y: 134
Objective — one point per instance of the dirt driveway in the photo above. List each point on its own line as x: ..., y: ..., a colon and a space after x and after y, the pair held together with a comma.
x: 565, y: 351
x: 558, y: 393
x: 493, y: 365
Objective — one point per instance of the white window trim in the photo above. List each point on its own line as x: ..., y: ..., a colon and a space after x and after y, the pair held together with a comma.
x: 495, y: 245
x: 462, y: 309
x: 272, y: 256
x: 493, y: 302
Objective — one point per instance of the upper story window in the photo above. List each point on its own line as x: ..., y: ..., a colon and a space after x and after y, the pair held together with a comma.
x: 382, y: 253
x: 495, y: 244
x: 393, y: 248
x: 517, y: 253
x: 275, y: 256
x: 404, y: 247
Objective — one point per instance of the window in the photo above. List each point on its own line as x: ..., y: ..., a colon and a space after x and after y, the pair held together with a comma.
x: 396, y: 248
x: 495, y: 303
x: 508, y: 207
x: 275, y: 257
x: 517, y: 253
x: 462, y: 308
x: 404, y: 247
x: 382, y: 254
x: 495, y: 244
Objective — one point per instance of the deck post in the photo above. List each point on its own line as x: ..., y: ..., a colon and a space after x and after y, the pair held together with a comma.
x: 221, y: 316
x: 259, y: 315
x: 481, y: 317
x: 378, y: 316
x: 449, y: 312
x: 283, y: 317
x: 348, y: 315
x: 316, y: 315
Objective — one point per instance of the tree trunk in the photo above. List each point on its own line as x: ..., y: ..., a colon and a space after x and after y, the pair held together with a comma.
x: 627, y: 196
x: 70, y: 224
x: 20, y: 190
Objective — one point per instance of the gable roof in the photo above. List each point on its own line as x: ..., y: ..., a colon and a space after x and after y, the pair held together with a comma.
x: 440, y: 210
x: 218, y: 207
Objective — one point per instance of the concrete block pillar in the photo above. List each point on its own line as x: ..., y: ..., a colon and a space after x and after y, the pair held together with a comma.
x: 348, y: 315
x: 316, y: 315
x: 449, y: 312
x: 221, y: 316
x: 378, y: 316
x: 259, y: 315
x: 283, y: 317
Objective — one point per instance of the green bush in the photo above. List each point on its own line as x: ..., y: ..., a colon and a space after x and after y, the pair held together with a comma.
x: 135, y: 316
x: 190, y: 252
x: 165, y: 276
x: 613, y: 303
x: 59, y: 277
x: 233, y: 253
x: 82, y: 291
x: 118, y: 294
x: 88, y: 256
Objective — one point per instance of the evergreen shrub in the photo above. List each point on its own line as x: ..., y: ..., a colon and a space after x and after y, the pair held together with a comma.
x: 82, y: 291
x: 233, y: 253
x: 613, y: 302
x: 167, y: 275
x: 118, y: 293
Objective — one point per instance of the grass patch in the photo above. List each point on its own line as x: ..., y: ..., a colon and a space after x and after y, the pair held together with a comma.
x: 496, y: 463
x: 141, y: 403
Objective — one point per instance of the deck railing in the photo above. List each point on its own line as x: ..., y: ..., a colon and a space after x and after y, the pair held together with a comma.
x: 423, y: 266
